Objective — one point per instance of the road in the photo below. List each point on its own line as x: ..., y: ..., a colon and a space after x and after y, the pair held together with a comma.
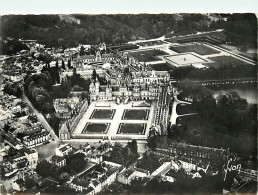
x: 41, y: 118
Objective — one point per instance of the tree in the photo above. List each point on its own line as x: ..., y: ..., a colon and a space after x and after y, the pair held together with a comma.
x: 82, y: 51
x: 30, y: 183
x: 6, y: 127
x: 75, y: 163
x: 43, y: 168
x: 63, y: 65
x: 152, y: 143
x: 133, y: 147
x: 64, y: 177
x: 94, y: 74
x: 13, y: 89
x: 77, y: 88
x: 57, y: 64
x: 69, y: 64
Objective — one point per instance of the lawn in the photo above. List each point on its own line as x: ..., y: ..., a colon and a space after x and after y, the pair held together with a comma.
x: 221, y: 61
x: 162, y: 67
x: 184, y: 109
x: 102, y: 114
x: 151, y: 43
x: 132, y: 128
x: 96, y: 128
x: 142, y: 114
x: 199, y: 49
x: 148, y: 55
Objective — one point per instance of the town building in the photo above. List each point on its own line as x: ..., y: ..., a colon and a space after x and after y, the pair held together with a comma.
x: 96, y: 179
x: 127, y: 175
x: 36, y: 139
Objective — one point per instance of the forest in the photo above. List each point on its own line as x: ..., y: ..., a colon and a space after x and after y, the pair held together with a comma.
x: 71, y: 30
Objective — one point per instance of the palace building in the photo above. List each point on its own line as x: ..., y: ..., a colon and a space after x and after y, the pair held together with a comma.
x: 137, y: 86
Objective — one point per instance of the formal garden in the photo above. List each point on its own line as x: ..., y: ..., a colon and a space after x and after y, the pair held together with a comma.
x: 103, y: 114
x: 96, y: 128
x: 132, y: 128
x: 136, y: 114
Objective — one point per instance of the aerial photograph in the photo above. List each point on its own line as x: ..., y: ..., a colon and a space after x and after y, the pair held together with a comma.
x: 128, y: 103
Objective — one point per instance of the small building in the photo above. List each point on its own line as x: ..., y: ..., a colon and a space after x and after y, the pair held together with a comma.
x: 64, y: 133
x: 84, y: 149
x: 60, y: 161
x: 64, y: 150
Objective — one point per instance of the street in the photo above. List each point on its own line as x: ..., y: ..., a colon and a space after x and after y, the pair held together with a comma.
x: 41, y: 118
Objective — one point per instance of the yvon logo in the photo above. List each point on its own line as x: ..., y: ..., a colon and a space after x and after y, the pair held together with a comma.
x: 231, y: 168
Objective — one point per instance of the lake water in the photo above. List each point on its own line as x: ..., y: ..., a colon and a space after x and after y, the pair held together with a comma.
x: 249, y: 94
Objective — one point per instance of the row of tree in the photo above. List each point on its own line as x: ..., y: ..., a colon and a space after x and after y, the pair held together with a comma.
x: 225, y: 72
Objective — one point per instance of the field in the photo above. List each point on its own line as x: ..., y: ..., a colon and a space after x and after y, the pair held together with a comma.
x: 96, y: 128
x: 221, y: 61
x: 148, y: 55
x: 132, y: 128
x: 151, y: 43
x: 199, y: 49
x: 135, y: 114
x: 102, y: 114
x: 161, y: 67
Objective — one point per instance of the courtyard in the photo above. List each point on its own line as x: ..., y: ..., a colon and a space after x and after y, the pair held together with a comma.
x: 185, y: 59
x: 108, y: 120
